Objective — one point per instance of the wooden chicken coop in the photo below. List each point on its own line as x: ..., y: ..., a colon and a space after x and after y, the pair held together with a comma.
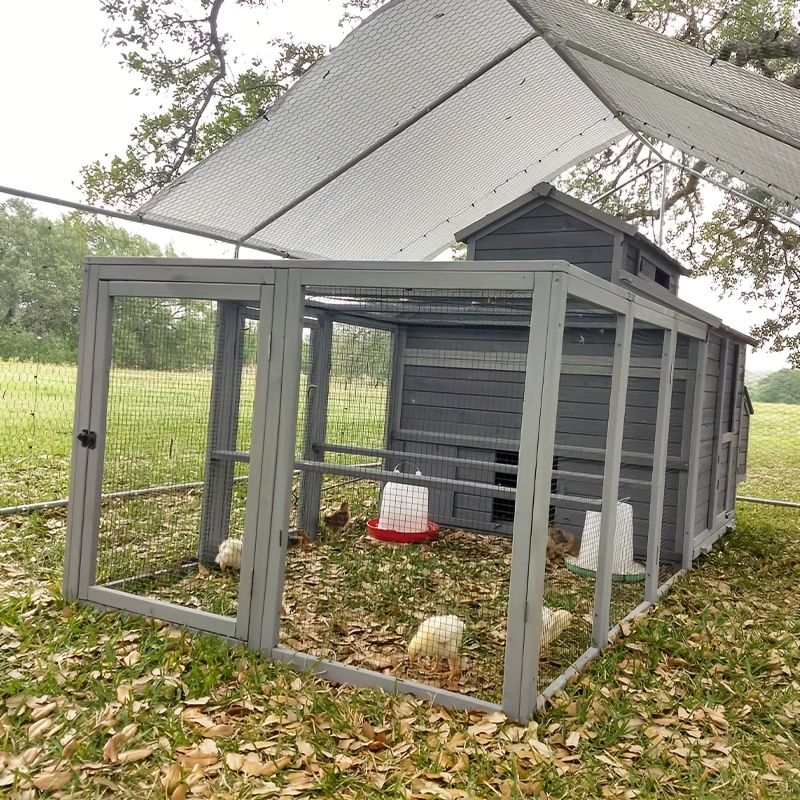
x: 520, y: 391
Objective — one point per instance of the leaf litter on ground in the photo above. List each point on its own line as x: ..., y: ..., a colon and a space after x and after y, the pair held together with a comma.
x: 699, y: 698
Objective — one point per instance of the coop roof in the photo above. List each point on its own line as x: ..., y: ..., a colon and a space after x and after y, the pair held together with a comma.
x: 546, y: 190
x: 435, y: 113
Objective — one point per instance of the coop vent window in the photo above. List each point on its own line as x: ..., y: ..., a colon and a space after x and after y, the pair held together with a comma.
x: 662, y: 278
x: 503, y: 509
x: 553, y: 490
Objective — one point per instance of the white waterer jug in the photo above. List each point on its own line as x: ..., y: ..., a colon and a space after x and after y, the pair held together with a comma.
x: 404, y: 507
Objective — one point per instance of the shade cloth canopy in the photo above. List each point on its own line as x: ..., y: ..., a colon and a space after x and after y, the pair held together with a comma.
x: 433, y: 114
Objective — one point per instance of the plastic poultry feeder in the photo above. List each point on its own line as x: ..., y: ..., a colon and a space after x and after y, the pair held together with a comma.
x: 403, y: 514
x: 388, y: 535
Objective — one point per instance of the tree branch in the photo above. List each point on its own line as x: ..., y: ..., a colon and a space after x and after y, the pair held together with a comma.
x: 208, y: 95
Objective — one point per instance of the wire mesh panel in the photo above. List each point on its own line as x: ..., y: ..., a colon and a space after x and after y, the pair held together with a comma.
x: 421, y: 408
x: 632, y: 542
x: 180, y: 398
x: 584, y: 400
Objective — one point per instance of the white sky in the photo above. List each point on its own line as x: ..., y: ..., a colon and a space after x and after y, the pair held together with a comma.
x: 66, y: 102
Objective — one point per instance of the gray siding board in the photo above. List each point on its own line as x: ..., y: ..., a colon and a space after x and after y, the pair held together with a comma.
x: 461, y: 416
x: 503, y: 239
x: 575, y: 255
x: 476, y: 401
x: 448, y: 374
x: 432, y: 384
x: 507, y: 341
x: 545, y: 224
x: 461, y: 429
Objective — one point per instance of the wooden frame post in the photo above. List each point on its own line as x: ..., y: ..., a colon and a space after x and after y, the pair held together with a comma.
x: 529, y: 544
x: 608, y: 516
x: 223, y: 424
x: 315, y: 423
x: 659, y: 474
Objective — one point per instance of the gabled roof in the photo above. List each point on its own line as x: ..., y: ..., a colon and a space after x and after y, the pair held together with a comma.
x: 435, y: 113
x: 545, y: 191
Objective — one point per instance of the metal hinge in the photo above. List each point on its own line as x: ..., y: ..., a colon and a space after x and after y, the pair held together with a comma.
x: 88, y: 438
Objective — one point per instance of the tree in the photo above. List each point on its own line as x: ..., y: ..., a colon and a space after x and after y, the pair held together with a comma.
x: 745, y: 249
x: 41, y: 265
x: 782, y: 386
x: 185, y: 57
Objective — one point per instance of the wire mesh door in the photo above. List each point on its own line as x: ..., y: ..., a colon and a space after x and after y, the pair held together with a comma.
x: 173, y: 395
x: 411, y: 405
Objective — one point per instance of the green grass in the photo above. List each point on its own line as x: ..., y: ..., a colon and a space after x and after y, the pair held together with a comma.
x: 701, y: 699
x: 773, y: 460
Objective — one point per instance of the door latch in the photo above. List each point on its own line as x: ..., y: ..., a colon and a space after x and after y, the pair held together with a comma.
x: 88, y: 438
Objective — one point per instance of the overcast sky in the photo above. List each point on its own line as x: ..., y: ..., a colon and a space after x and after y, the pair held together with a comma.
x: 66, y: 102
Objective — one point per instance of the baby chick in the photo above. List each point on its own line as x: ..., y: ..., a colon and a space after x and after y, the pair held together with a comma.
x: 440, y: 637
x: 561, y: 543
x: 336, y: 520
x: 230, y: 554
x: 300, y: 538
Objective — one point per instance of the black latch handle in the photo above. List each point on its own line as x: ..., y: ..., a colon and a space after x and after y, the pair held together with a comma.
x: 88, y: 439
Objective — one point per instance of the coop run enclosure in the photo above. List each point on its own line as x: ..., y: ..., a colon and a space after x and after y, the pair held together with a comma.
x: 539, y: 425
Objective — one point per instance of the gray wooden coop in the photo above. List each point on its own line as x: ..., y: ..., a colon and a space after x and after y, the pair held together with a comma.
x: 456, y: 391
x: 520, y: 392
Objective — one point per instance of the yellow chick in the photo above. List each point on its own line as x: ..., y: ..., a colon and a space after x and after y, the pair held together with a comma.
x: 554, y: 623
x: 230, y: 554
x: 441, y: 637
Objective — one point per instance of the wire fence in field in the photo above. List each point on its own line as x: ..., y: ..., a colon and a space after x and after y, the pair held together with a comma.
x: 37, y: 402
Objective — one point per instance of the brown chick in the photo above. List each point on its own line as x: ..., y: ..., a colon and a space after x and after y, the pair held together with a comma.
x: 561, y: 543
x: 300, y: 538
x: 337, y: 520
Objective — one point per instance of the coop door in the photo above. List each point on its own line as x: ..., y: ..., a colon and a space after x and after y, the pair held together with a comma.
x: 167, y: 530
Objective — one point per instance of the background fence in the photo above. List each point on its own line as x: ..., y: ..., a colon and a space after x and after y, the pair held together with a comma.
x: 37, y: 403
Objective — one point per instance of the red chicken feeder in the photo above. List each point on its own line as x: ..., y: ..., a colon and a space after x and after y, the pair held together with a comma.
x: 387, y: 535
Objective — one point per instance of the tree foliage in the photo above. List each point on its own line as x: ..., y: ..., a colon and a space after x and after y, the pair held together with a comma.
x: 782, y: 386
x: 41, y: 265
x: 745, y: 249
x: 208, y: 92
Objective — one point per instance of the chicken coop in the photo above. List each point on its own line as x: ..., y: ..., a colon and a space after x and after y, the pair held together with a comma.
x: 454, y: 482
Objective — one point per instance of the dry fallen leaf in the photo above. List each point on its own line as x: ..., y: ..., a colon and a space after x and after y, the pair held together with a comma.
x: 133, y: 658
x: 39, y: 728
x: 110, y: 747
x: 52, y: 781
x: 129, y: 756
x: 180, y: 792
x: 205, y: 754
x: 43, y: 711
x: 221, y: 731
x: 252, y: 765
x: 70, y: 748
x: 170, y: 777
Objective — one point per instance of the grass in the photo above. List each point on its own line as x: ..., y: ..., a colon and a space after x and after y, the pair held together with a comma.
x: 700, y: 699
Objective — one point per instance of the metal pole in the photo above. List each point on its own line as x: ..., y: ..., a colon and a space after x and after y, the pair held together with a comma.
x: 663, y: 212
x: 595, y: 200
x: 108, y: 212
x: 653, y: 149
x: 764, y: 501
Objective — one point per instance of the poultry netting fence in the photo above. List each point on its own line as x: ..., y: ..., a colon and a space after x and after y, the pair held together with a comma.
x: 169, y: 422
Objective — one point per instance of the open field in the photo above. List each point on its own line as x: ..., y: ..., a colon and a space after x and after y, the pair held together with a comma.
x: 37, y: 406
